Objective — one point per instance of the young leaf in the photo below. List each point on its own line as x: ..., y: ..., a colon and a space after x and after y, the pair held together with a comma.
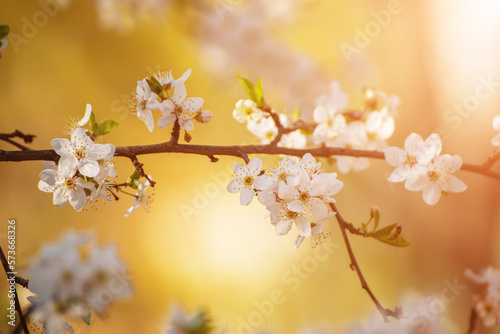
x: 254, y: 92
x: 107, y: 126
x: 296, y: 114
x: 375, y: 213
x: 86, y: 318
x: 390, y: 235
x: 4, y: 31
x: 94, y: 126
x: 132, y: 178
x: 398, y: 241
x: 154, y: 85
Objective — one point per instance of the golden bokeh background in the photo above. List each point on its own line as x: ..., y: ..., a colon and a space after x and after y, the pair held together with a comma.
x: 224, y: 257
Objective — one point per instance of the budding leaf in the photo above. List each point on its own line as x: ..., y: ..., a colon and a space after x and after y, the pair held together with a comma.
x: 94, y: 126
x: 198, y: 324
x: 4, y: 31
x: 390, y: 235
x: 132, y: 178
x: 86, y: 318
x: 296, y: 114
x: 106, y: 127
x: 254, y: 92
x: 375, y: 213
x: 154, y: 85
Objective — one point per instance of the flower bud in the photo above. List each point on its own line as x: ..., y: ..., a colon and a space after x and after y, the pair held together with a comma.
x: 203, y: 116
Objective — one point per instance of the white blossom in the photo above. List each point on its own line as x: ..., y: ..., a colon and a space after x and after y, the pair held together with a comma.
x: 66, y: 186
x: 412, y: 160
x: 487, y: 305
x: 247, y: 110
x: 69, y: 286
x: 141, y: 198
x: 244, y: 181
x: 438, y: 178
x: 496, y: 125
x: 81, y: 153
x: 265, y: 129
x: 147, y: 101
x: 179, y: 108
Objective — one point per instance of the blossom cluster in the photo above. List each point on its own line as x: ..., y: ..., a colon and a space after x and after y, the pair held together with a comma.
x: 487, y: 305
x: 69, y: 286
x: 422, y: 167
x: 153, y: 94
x: 335, y: 125
x: 296, y: 193
x: 83, y: 171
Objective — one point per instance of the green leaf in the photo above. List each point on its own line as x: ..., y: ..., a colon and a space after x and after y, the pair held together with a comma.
x: 199, y: 324
x: 254, y: 92
x: 296, y: 114
x: 86, y: 318
x: 390, y: 235
x: 375, y: 213
x: 4, y: 31
x: 107, y: 126
x: 154, y: 85
x: 94, y: 126
x: 132, y: 178
x: 397, y: 241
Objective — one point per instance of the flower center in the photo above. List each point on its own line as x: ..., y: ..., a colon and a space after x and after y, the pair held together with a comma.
x: 291, y: 214
x: 433, y: 176
x: 410, y: 160
x: 248, y: 111
x: 80, y: 154
x: 304, y: 197
x: 70, y: 182
x: 248, y: 180
x: 178, y: 110
x: 282, y: 176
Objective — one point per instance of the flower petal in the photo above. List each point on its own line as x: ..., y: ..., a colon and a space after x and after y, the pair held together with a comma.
x: 246, y: 196
x: 432, y: 193
x: 283, y: 227
x: 179, y: 93
x: 304, y: 226
x: 234, y: 186
x: 192, y: 104
x: 255, y: 166
x: 166, y: 120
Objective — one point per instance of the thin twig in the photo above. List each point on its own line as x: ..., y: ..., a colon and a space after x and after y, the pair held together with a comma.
x: 385, y: 312
x: 140, y: 170
x: 28, y: 139
x: 19, y: 310
x: 22, y: 281
x: 472, y: 321
x: 19, y: 327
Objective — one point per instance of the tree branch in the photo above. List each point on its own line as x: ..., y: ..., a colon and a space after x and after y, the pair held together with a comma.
x: 233, y: 150
x: 28, y: 139
x: 385, y: 312
x: 19, y: 310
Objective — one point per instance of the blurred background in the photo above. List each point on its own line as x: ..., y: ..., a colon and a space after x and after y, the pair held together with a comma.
x: 197, y: 246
